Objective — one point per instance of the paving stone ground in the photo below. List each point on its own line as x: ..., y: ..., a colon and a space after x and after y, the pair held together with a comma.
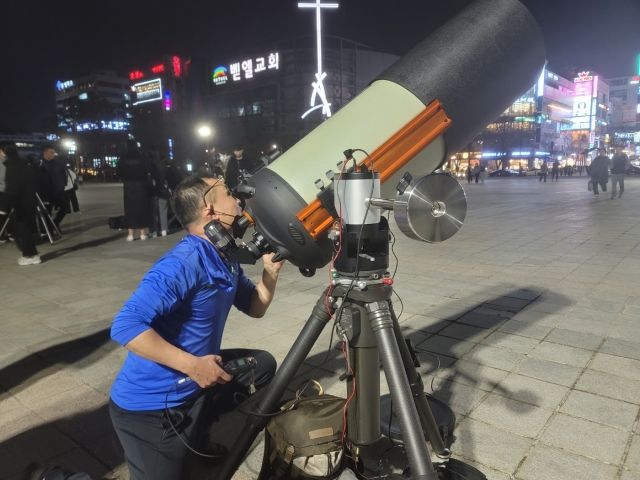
x: 532, y: 311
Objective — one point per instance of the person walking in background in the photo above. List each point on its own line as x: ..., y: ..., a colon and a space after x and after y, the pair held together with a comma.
x: 555, y: 170
x: 544, y: 170
x: 133, y: 169
x: 483, y: 173
x: 619, y: 164
x: 20, y: 196
x: 469, y: 173
x: 600, y: 171
x: 56, y: 182
x: 70, y: 192
x: 160, y: 223
x: 236, y: 164
x: 476, y: 171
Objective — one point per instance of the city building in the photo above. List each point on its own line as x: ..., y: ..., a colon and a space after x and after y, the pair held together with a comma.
x: 275, y: 95
x: 531, y: 130
x: 557, y: 119
x: 624, y: 118
x: 161, y: 106
x: 94, y: 115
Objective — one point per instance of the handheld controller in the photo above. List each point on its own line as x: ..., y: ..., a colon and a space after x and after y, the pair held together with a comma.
x: 239, y: 365
x: 233, y: 367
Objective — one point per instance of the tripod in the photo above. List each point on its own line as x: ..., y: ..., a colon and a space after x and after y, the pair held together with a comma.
x: 367, y: 324
x: 43, y: 215
x: 371, y: 329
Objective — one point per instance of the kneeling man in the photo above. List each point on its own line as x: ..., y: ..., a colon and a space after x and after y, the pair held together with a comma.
x: 172, y: 326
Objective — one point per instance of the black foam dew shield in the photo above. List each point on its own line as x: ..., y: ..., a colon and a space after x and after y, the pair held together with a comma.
x: 476, y: 64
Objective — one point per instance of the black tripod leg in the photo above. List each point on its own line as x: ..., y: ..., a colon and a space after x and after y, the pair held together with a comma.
x: 283, y: 377
x: 417, y: 389
x: 405, y: 409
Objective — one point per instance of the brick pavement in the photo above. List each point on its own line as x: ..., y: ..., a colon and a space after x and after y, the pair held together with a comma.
x: 533, y: 310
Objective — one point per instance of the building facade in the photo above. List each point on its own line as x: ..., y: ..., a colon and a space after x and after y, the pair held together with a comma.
x: 556, y: 119
x: 624, y: 119
x: 94, y: 114
x: 161, y: 106
x: 272, y: 96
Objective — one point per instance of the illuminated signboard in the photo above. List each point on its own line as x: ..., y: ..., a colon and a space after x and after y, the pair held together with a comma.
x: 137, y: 75
x: 634, y: 80
x: 583, y: 77
x: 220, y: 76
x: 247, y: 67
x: 158, y: 69
x: 176, y: 66
x: 582, y: 99
x: 62, y: 85
x: 148, y: 91
x: 167, y: 101
x: 109, y: 125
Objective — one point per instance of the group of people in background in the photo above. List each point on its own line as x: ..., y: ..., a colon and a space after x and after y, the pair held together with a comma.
x: 24, y: 183
x: 479, y: 172
x: 150, y: 179
x: 619, y: 165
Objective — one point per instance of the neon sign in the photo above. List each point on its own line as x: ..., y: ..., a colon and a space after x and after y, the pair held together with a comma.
x: 62, y: 85
x: 176, y: 66
x: 148, y: 91
x: 220, y: 76
x: 167, y: 101
x: 318, y: 86
x: 248, y: 67
x: 583, y: 77
x: 137, y: 75
x: 158, y: 68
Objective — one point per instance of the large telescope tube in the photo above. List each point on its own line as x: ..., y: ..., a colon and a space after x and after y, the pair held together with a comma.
x: 423, y: 109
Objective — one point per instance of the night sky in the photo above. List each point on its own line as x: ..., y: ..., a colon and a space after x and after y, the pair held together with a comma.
x: 43, y: 41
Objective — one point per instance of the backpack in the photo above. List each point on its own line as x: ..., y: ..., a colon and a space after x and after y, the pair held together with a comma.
x: 305, y: 442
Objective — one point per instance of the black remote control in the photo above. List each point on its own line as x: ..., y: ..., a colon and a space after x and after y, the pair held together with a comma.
x: 239, y: 365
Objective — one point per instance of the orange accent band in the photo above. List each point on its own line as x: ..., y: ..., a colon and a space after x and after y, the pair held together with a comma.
x: 388, y: 158
x: 248, y: 217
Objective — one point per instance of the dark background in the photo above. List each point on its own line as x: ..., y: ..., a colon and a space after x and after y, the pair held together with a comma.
x: 42, y: 41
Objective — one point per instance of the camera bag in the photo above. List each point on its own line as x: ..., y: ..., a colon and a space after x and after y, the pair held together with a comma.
x: 305, y: 441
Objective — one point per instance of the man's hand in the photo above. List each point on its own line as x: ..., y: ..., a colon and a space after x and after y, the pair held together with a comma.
x: 271, y: 267
x: 207, y: 371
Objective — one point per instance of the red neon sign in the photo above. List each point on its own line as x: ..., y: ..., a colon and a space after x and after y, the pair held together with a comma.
x: 157, y: 69
x: 176, y: 66
x: 136, y: 75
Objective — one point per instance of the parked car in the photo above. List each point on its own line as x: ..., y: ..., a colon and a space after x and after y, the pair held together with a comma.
x: 507, y: 172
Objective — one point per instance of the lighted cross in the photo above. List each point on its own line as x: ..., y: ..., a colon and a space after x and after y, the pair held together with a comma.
x: 318, y: 87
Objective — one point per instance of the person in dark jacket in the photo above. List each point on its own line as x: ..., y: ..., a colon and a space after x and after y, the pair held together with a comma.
x: 555, y: 170
x: 160, y: 223
x: 133, y: 169
x: 20, y: 195
x: 237, y: 163
x: 56, y: 182
x: 619, y: 165
x: 599, y: 171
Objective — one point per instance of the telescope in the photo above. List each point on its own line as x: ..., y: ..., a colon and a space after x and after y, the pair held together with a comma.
x: 414, y: 116
x: 422, y: 110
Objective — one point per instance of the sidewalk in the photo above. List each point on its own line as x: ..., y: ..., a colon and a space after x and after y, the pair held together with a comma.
x: 533, y: 310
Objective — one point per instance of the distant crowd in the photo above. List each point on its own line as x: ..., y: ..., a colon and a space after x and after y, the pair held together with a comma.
x: 149, y: 181
x: 34, y: 193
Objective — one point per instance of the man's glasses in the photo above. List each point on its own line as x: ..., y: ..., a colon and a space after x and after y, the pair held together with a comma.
x: 217, y: 184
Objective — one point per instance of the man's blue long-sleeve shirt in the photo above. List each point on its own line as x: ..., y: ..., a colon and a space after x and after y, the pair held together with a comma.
x: 186, y: 298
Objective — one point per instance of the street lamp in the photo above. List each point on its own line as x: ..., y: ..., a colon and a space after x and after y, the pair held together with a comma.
x: 205, y: 132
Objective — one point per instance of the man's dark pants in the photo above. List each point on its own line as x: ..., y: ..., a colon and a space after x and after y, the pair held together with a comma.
x: 153, y: 451
x: 595, y: 181
x: 543, y: 175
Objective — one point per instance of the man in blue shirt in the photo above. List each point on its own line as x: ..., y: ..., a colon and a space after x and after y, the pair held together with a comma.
x: 172, y: 326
